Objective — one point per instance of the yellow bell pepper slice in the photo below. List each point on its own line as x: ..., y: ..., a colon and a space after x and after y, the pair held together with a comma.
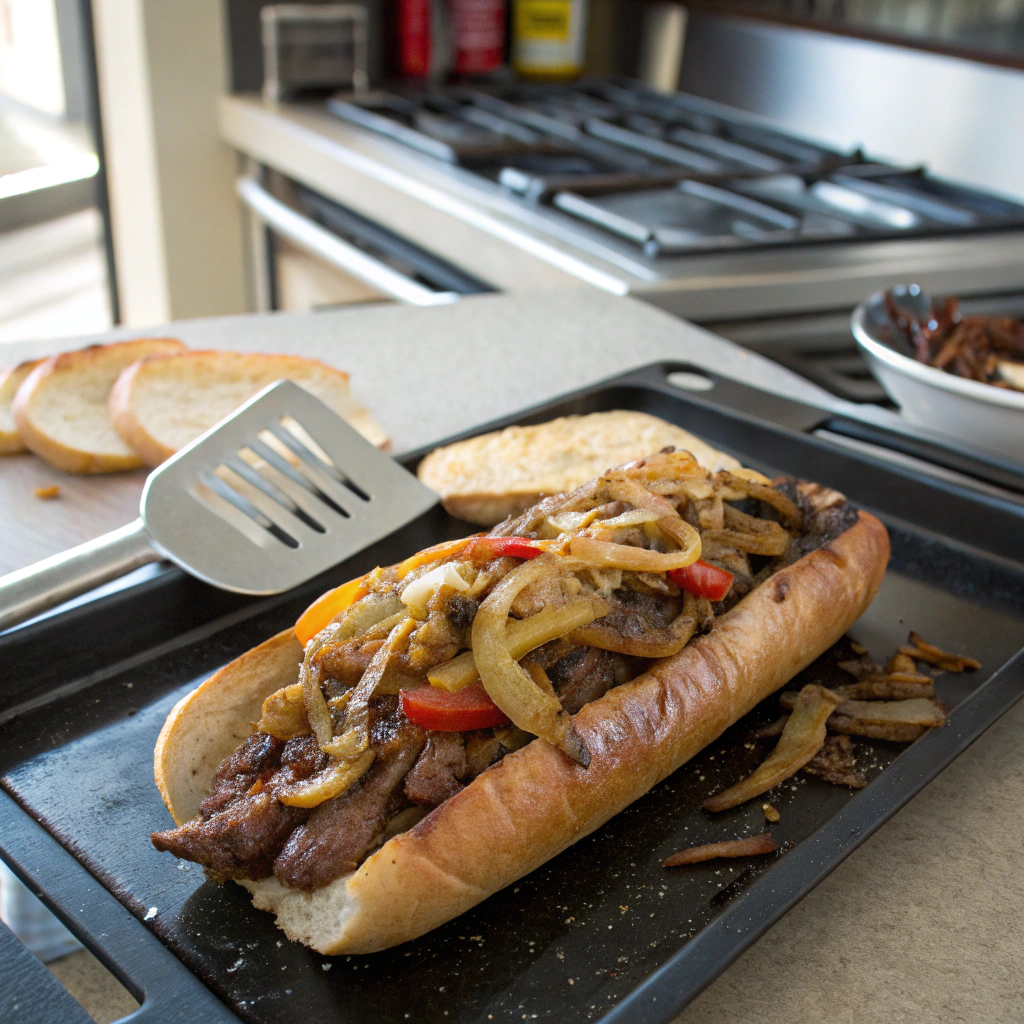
x: 433, y: 554
x: 334, y: 602
x: 327, y: 606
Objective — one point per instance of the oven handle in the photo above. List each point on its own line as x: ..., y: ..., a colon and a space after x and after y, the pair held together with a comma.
x: 324, y: 245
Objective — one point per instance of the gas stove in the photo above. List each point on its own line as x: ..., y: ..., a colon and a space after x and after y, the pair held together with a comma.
x: 703, y: 210
x: 670, y: 175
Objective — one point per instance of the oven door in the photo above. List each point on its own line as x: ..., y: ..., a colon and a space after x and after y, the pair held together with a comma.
x: 310, y: 252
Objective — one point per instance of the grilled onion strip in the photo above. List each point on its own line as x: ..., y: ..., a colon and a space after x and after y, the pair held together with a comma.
x: 283, y: 715
x: 521, y: 637
x: 507, y: 683
x: 802, y: 737
x: 605, y: 554
x: 351, y: 753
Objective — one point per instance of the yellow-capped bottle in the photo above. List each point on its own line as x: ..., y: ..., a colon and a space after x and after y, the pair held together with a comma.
x: 549, y: 38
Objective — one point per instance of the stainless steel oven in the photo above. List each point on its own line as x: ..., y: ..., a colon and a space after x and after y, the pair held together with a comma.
x: 312, y: 252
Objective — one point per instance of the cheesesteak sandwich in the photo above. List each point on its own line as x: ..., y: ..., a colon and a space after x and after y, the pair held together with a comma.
x: 435, y: 730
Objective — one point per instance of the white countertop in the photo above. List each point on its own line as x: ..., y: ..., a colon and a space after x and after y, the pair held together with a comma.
x: 429, y: 373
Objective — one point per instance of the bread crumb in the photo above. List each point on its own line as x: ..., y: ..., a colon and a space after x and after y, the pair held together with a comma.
x: 46, y: 493
x: 770, y: 812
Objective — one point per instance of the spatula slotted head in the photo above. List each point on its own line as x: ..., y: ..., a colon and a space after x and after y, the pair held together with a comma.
x: 276, y: 493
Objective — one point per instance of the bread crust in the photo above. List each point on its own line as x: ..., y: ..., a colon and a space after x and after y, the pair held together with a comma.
x: 10, y: 381
x: 535, y: 802
x: 121, y: 411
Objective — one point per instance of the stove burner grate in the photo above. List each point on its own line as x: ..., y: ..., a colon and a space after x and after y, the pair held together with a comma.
x: 670, y: 174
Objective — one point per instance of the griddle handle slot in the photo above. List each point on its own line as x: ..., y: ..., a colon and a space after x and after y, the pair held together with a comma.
x: 167, y: 991
x: 29, y: 993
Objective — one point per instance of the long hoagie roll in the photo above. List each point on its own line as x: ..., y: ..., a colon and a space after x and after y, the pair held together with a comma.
x: 537, y: 800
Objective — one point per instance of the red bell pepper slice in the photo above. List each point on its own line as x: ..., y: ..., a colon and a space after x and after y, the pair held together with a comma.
x: 702, y: 579
x: 468, y: 708
x: 483, y: 549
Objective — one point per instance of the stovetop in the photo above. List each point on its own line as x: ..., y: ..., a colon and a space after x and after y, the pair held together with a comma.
x: 670, y: 174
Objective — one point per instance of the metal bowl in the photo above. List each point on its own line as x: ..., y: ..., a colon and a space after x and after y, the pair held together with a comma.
x: 971, y: 412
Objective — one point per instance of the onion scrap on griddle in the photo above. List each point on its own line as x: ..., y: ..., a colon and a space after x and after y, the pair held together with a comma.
x: 801, y: 739
x: 921, y: 650
x: 751, y: 846
x: 896, y: 704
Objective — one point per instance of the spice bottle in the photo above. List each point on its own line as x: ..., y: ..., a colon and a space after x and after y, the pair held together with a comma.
x: 549, y: 38
x: 478, y: 35
x: 424, y: 39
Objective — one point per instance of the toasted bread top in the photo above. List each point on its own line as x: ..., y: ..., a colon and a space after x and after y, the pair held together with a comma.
x: 492, y: 476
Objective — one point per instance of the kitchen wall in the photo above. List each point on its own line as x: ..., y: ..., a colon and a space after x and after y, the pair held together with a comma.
x: 176, y: 221
x: 961, y: 117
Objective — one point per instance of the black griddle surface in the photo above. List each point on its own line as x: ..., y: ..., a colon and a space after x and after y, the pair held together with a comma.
x: 582, y: 937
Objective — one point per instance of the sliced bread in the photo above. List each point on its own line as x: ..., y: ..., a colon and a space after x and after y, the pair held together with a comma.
x: 61, y: 407
x: 161, y: 404
x: 10, y: 381
x: 487, y: 478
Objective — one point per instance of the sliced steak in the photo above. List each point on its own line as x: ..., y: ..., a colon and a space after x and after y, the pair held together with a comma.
x: 241, y: 827
x: 438, y: 771
x: 338, y: 833
x: 346, y: 662
x: 240, y: 841
x: 259, y: 755
x: 825, y: 516
x: 586, y: 674
x: 300, y: 759
x: 483, y: 749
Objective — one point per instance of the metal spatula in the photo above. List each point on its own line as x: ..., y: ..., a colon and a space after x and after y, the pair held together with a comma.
x: 273, y: 495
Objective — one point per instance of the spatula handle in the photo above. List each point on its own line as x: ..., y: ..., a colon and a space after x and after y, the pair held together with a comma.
x: 38, y: 587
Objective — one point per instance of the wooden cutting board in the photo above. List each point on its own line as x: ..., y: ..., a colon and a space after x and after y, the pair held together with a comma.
x: 86, y: 507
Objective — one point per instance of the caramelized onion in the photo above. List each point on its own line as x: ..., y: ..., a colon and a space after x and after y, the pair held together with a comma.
x: 355, y: 738
x: 318, y: 714
x: 921, y: 650
x: 802, y: 737
x: 351, y: 753
x: 507, y: 682
x: 355, y: 621
x: 915, y: 711
x: 752, y: 543
x: 749, y: 846
x: 620, y: 487
x: 521, y: 637
x: 284, y: 714
x: 326, y: 785
x: 787, y: 509
x: 604, y: 554
x: 634, y: 517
